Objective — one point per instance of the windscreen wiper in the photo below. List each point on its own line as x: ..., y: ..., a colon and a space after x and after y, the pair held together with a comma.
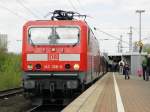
x: 31, y: 41
x: 74, y: 44
x: 77, y: 41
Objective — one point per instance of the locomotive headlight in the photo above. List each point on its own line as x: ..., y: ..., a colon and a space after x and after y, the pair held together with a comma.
x: 76, y: 67
x: 30, y: 66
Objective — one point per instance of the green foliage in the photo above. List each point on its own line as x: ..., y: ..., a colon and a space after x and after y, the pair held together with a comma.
x: 10, y: 70
x: 146, y: 48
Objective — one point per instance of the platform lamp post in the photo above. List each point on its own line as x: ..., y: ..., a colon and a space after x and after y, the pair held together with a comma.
x: 139, y: 43
x: 140, y: 12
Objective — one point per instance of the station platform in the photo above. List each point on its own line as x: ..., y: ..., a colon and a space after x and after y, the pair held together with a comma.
x: 112, y: 93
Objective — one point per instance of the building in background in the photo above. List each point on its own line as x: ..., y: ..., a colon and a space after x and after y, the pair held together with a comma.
x: 133, y: 59
x: 3, y: 42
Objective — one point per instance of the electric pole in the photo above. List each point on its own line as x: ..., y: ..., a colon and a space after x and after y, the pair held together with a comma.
x: 130, y: 39
x: 140, y: 12
x: 118, y: 46
x: 121, y: 43
x: 140, y: 42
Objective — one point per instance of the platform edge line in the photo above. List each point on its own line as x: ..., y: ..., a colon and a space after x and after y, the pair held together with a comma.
x: 120, y: 106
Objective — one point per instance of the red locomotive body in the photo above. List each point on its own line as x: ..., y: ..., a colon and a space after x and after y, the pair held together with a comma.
x: 54, y: 56
x: 59, y: 56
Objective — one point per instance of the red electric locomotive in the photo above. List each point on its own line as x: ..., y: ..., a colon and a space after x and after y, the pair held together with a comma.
x: 58, y: 56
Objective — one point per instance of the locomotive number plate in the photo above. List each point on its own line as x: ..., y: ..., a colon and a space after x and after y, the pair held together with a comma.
x: 53, y: 56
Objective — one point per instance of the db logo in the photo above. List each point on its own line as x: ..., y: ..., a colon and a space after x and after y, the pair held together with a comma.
x: 53, y: 56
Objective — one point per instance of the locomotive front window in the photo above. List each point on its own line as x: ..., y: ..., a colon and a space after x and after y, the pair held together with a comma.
x: 53, y: 35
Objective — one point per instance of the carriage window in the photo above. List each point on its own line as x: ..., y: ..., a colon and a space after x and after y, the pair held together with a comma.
x: 53, y: 35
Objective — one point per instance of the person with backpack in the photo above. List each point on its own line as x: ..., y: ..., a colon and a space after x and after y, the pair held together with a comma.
x: 121, y: 65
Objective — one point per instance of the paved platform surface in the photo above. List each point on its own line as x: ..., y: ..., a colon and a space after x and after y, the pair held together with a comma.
x: 107, y: 99
x: 135, y: 94
x: 103, y: 96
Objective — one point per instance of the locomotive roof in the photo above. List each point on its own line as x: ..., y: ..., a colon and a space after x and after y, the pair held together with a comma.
x: 56, y: 22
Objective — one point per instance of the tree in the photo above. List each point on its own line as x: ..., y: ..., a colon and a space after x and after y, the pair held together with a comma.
x: 146, y: 48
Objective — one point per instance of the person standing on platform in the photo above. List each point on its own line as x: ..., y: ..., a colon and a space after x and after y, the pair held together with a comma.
x: 148, y: 68
x: 121, y: 65
x: 144, y: 66
x: 113, y: 67
x: 126, y: 70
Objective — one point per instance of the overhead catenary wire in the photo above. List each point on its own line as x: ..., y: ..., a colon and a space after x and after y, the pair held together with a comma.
x: 93, y: 18
x: 30, y: 11
x: 72, y: 5
x: 108, y: 33
x: 13, y: 12
x: 97, y: 29
x: 34, y: 9
x: 81, y: 5
x: 78, y: 1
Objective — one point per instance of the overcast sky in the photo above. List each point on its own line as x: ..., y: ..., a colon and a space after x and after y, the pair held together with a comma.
x: 111, y: 16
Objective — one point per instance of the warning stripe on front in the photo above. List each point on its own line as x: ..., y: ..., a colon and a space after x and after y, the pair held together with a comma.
x: 50, y: 57
x: 69, y: 57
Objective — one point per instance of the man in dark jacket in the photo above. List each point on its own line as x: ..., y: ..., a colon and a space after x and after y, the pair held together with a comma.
x: 126, y: 70
x: 144, y: 65
x: 148, y: 68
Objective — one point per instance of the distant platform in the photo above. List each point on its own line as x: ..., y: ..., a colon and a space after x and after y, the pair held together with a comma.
x: 126, y: 54
x: 113, y: 93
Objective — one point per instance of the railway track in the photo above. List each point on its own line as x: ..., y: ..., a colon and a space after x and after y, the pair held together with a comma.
x: 10, y: 92
x: 46, y: 108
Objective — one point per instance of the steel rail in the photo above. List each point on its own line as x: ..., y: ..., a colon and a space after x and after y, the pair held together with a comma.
x: 46, y: 108
x: 10, y: 92
x: 34, y: 108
